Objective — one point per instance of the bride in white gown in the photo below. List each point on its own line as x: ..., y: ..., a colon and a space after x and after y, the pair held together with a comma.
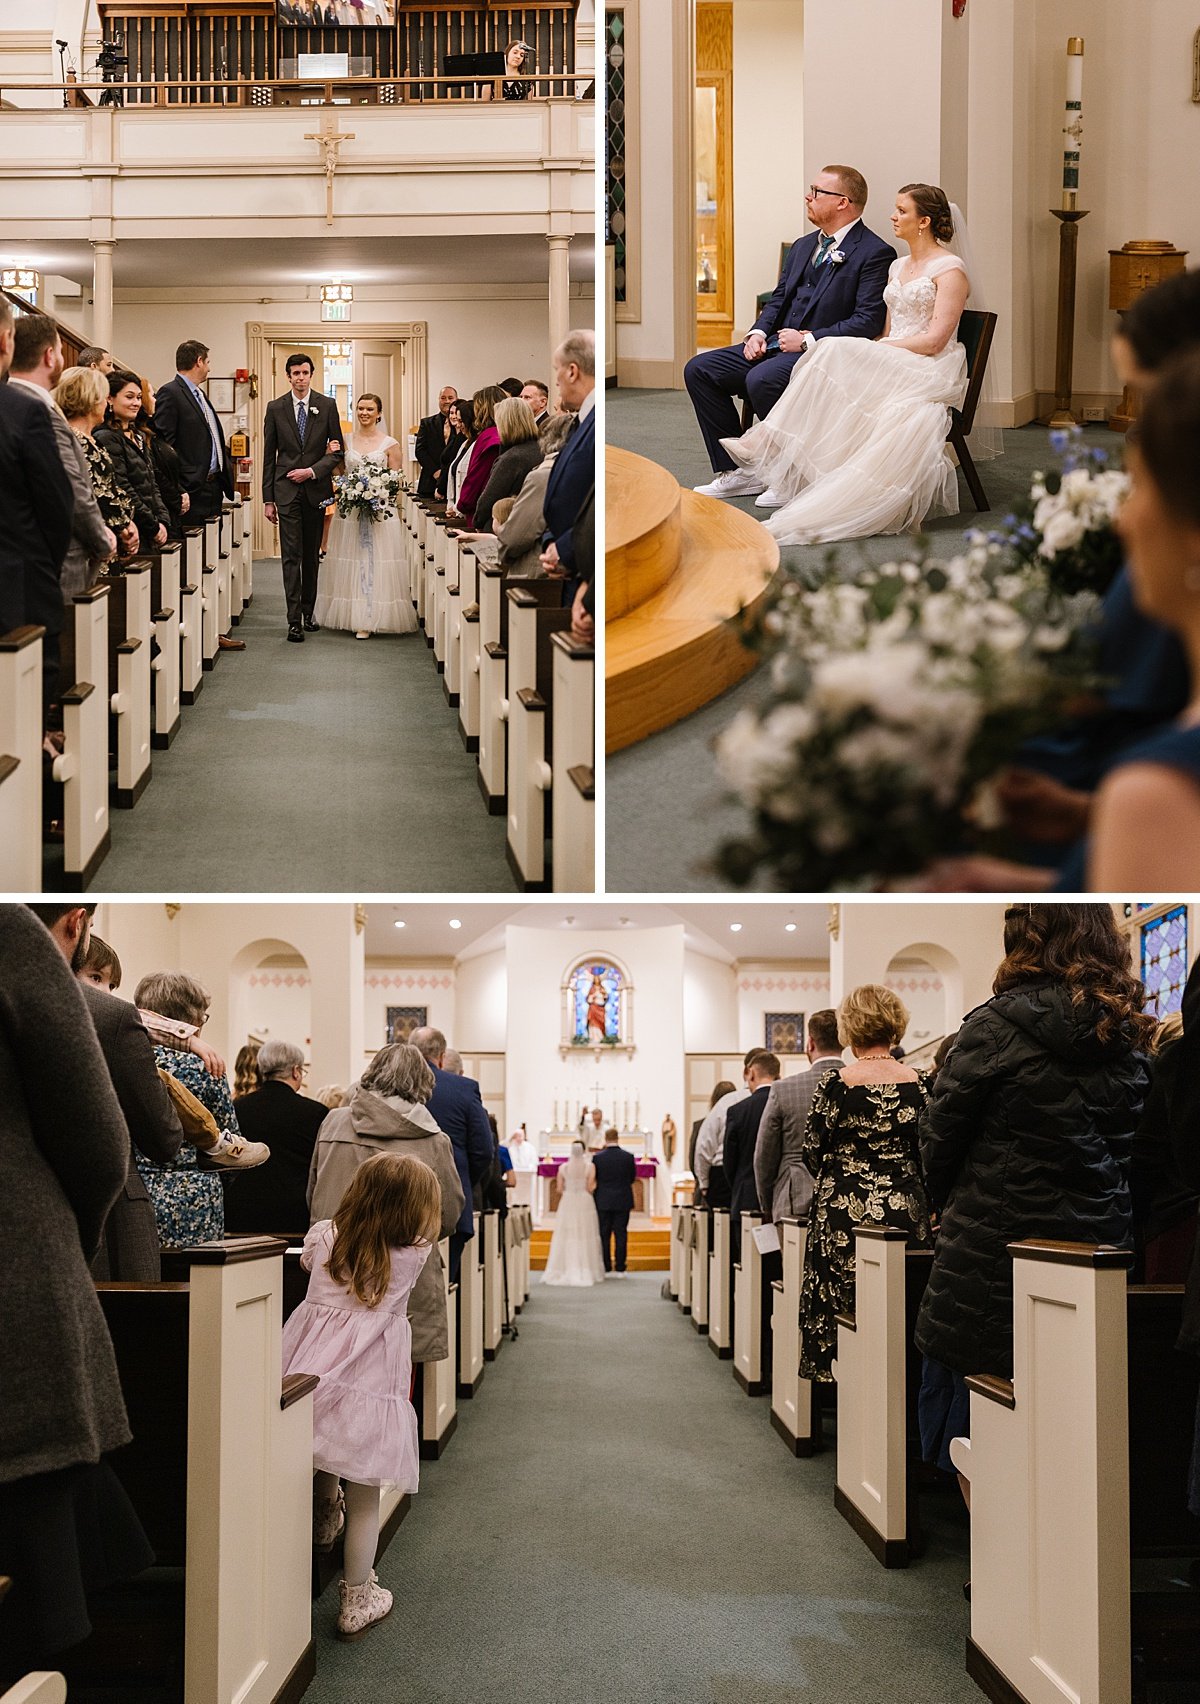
x: 363, y: 586
x: 575, y: 1256
x: 856, y: 445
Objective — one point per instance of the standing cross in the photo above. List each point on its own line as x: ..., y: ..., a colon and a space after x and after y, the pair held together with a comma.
x: 330, y: 140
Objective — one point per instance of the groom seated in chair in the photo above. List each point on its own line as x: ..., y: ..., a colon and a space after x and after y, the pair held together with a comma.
x: 831, y: 285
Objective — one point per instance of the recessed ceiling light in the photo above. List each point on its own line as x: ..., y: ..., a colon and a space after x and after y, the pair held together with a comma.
x: 790, y: 927
x: 735, y: 927
x: 399, y: 923
x: 455, y: 923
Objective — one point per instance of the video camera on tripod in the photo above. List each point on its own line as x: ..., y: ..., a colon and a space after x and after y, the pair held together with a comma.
x: 111, y: 64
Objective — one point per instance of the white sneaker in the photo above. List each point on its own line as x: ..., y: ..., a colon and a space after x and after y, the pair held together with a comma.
x: 362, y: 1607
x: 362, y: 634
x: 234, y: 1153
x: 770, y: 499
x: 734, y: 482
x: 329, y: 1517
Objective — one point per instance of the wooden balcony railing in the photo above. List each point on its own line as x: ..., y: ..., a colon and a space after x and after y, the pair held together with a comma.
x: 282, y: 92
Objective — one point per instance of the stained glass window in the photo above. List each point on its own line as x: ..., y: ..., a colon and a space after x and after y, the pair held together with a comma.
x: 596, y: 1003
x: 1165, y: 961
x: 615, y: 202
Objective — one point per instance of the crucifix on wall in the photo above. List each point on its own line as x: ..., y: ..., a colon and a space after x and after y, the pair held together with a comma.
x: 330, y: 140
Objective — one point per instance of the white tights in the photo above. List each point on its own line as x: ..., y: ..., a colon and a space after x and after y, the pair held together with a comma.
x: 361, y: 1538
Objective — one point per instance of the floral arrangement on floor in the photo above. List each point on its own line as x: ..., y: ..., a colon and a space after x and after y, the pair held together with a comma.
x: 368, y: 492
x: 1067, y: 524
x: 893, y: 700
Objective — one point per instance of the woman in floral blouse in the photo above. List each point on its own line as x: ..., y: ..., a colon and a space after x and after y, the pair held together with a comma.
x: 82, y: 394
x: 861, y: 1148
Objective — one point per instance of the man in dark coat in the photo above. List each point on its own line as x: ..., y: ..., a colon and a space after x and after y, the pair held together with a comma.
x: 433, y: 434
x: 129, y: 1252
x: 273, y: 1197
x: 574, y: 472
x: 741, y: 1134
x: 612, y: 1187
x: 457, y: 1105
x: 302, y: 444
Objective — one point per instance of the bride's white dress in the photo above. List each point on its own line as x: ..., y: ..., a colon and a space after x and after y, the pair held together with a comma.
x: 857, y: 442
x: 575, y: 1256
x: 363, y: 584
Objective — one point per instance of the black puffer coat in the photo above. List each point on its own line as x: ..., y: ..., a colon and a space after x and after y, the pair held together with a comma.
x: 1028, y: 1133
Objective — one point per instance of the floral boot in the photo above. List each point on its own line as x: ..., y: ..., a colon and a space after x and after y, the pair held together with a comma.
x: 362, y: 1607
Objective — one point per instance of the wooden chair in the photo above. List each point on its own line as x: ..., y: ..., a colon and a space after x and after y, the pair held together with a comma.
x: 975, y: 333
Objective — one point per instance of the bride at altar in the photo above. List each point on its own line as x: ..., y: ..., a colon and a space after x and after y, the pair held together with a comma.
x: 363, y: 586
x: 575, y: 1258
x: 856, y: 445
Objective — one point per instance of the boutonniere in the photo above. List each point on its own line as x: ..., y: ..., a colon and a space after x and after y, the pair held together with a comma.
x: 314, y: 410
x: 836, y: 257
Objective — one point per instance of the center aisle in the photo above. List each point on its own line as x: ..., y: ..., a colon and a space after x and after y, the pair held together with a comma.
x: 616, y: 1522
x: 332, y: 765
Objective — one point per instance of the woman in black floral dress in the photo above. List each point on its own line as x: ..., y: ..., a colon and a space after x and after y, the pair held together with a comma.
x: 861, y: 1148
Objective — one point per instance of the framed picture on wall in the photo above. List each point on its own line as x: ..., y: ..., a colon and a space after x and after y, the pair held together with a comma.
x: 783, y: 1032
x: 222, y: 394
x: 403, y: 1020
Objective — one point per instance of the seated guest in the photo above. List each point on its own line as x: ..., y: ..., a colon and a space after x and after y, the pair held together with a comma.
x: 457, y: 458
x: 861, y: 1149
x: 388, y: 1113
x: 100, y: 359
x: 433, y: 440
x: 741, y: 1134
x: 536, y: 392
x: 783, y: 1181
x: 274, y: 1196
x: 574, y: 473
x: 188, y: 1203
x: 518, y: 62
x: 484, y: 453
x: 125, y: 444
x: 245, y: 1070
x: 82, y: 394
x: 100, y: 965
x: 520, y: 453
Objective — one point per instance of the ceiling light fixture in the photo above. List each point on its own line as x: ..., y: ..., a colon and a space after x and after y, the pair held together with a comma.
x: 337, y: 292
x: 734, y: 927
x: 456, y: 923
x: 399, y: 923
x: 790, y: 927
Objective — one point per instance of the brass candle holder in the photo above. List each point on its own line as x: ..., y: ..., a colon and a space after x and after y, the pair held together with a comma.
x: 1064, y: 363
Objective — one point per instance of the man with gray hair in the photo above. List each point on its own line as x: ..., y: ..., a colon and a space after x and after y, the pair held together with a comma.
x: 574, y: 472
x: 457, y: 1105
x: 281, y: 1115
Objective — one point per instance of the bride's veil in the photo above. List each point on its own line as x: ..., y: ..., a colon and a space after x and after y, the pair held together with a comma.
x: 986, y: 440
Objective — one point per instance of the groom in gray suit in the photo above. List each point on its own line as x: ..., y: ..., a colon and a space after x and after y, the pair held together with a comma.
x: 301, y: 447
x: 784, y: 1182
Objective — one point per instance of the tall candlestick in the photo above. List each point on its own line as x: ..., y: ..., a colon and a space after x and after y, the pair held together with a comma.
x: 1073, y: 128
x: 556, y: 1112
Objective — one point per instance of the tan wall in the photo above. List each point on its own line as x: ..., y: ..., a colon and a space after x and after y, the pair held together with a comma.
x: 769, y: 162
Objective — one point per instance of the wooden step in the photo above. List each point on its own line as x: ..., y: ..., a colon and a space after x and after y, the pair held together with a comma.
x: 670, y: 649
x: 647, y: 1251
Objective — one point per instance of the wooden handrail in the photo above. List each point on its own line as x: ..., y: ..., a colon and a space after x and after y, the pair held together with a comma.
x: 241, y: 86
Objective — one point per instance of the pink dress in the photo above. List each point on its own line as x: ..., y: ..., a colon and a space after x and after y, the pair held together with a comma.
x: 364, y: 1426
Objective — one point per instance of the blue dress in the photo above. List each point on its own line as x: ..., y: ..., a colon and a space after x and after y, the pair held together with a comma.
x: 189, y: 1206
x: 1170, y: 748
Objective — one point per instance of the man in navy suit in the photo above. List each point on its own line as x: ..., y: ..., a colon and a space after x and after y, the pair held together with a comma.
x: 457, y: 1105
x: 831, y: 286
x: 188, y: 421
x: 574, y: 470
x: 612, y: 1186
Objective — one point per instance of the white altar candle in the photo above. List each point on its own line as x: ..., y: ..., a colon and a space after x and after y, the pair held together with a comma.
x: 1073, y: 127
x: 556, y: 1112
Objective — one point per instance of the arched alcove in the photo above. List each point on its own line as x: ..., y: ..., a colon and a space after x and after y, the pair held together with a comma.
x: 929, y: 979
x: 270, y: 994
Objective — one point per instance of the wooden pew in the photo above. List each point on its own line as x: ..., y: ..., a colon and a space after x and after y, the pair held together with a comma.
x: 751, y: 1366
x: 452, y: 678
x: 493, y: 688
x: 246, y: 516
x: 701, y: 1255
x: 572, y: 764
x: 439, y: 1379
x: 471, y: 1364
x: 793, y: 1411
x: 191, y: 614
x: 220, y: 1473
x: 232, y: 532
x: 469, y: 642
x: 1077, y: 1468
x: 210, y: 595
x: 165, y: 667
x: 525, y: 1215
x: 512, y: 1259
x: 129, y: 634
x: 439, y: 566
x: 82, y: 766
x: 720, y: 1287
x: 487, y: 1229
x: 21, y: 759
x: 40, y: 1688
x: 687, y: 1232
x: 535, y: 615
x: 878, y: 1372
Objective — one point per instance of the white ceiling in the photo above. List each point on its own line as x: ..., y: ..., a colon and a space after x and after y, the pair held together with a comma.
x: 763, y: 933
x: 260, y: 267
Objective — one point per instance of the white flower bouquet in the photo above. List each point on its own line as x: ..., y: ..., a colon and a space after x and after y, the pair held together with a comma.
x: 1068, y: 521
x: 368, y: 492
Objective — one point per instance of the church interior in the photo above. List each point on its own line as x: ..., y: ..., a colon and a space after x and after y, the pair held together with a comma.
x: 226, y: 174
x: 719, y: 114
x: 581, y: 1447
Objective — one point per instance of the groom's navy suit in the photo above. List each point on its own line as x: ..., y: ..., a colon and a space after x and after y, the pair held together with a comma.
x: 616, y: 1170
x: 839, y: 299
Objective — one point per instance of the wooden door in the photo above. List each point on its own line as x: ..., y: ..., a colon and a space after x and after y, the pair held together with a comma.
x: 713, y: 173
x: 380, y: 367
x: 279, y: 355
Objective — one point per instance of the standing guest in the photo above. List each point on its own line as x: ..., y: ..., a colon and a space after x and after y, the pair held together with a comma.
x: 709, y: 1150
x: 332, y: 1095
x: 457, y: 457
x: 1183, y: 1111
x: 168, y: 469
x: 741, y: 1135
x: 82, y: 394
x: 525, y: 1156
x: 720, y: 1090
x: 301, y: 448
x: 861, y: 1148
x: 574, y: 473
x: 274, y: 1196
x: 1164, y: 1202
x: 610, y: 1181
x: 122, y: 438
x: 1030, y: 1127
x: 66, y: 1524
x: 37, y: 365
x: 100, y: 359
x: 433, y: 438
x: 536, y: 392
x: 511, y: 387
x: 520, y: 453
x: 100, y: 965
x: 519, y: 534
x: 484, y: 452
x: 38, y: 507
x: 245, y: 1070
x: 783, y: 1181
x: 456, y: 1106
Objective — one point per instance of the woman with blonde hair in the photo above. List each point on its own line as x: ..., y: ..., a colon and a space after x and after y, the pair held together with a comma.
x: 82, y: 394
x: 520, y: 453
x: 245, y: 1070
x: 861, y: 1148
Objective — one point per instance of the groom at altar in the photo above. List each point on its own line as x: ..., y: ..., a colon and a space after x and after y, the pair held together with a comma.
x: 831, y: 285
x: 611, y: 1183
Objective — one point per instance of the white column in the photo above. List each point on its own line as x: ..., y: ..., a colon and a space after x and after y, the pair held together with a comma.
x: 102, y: 293
x: 560, y: 289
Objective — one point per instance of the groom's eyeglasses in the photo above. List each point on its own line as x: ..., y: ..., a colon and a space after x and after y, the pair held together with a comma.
x: 815, y: 189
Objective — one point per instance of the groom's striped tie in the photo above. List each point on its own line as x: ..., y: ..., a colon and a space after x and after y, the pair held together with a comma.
x: 823, y: 248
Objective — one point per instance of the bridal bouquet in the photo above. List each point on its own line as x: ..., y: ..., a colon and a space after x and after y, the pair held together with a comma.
x: 368, y: 492
x: 892, y: 702
x: 1068, y: 521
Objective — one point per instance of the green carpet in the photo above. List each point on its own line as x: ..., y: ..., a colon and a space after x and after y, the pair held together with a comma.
x: 335, y: 765
x: 666, y: 810
x: 615, y: 1522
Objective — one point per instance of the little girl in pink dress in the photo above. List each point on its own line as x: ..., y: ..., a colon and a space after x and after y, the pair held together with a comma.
x: 352, y: 1330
